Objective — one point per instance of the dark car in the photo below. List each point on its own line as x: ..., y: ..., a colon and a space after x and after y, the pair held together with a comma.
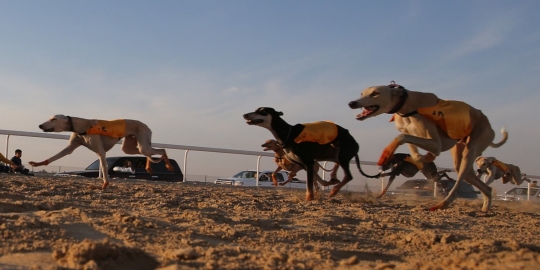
x: 117, y: 168
x: 424, y: 187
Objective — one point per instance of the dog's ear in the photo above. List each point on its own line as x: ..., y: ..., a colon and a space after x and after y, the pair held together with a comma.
x: 478, y: 158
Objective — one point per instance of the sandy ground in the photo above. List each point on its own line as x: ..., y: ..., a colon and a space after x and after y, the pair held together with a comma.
x: 59, y: 223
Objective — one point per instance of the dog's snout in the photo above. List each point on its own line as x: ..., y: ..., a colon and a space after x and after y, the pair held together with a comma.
x: 246, y: 115
x: 40, y: 126
x: 353, y: 104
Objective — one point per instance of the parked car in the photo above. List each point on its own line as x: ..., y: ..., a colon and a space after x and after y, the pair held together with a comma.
x: 248, y: 178
x: 424, y: 187
x: 519, y: 194
x: 116, y: 168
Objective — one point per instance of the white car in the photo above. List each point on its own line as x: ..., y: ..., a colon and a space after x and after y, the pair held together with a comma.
x: 520, y: 194
x: 247, y: 179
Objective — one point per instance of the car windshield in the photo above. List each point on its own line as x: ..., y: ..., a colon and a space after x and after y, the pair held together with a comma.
x: 95, y: 165
x: 245, y: 174
x: 521, y: 191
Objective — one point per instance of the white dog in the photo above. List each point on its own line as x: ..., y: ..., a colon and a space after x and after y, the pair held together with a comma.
x: 100, y: 136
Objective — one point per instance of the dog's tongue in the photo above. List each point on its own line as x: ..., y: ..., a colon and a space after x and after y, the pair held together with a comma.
x: 365, y: 111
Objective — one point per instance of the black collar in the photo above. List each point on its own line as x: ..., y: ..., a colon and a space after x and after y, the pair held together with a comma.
x: 401, y: 101
x: 70, y: 121
x: 284, y: 142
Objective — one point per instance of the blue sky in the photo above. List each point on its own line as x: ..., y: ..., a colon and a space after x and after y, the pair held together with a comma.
x: 190, y: 69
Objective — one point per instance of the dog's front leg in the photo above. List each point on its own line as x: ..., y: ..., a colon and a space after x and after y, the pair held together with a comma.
x: 432, y: 145
x: 392, y: 177
x: 274, y: 179
x: 490, y: 174
x: 97, y: 145
x: 74, y: 142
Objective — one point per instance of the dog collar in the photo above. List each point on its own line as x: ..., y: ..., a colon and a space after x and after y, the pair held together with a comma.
x: 70, y: 121
x: 283, y: 143
x: 401, y: 101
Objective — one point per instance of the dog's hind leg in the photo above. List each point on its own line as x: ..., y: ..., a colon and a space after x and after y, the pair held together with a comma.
x: 346, y: 178
x: 144, y: 144
x: 464, y: 157
x: 308, y: 166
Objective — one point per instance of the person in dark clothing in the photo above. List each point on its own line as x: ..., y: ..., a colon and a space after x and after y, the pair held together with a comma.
x: 18, y: 167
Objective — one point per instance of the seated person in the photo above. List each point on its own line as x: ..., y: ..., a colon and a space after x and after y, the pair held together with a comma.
x: 18, y: 167
x: 3, y: 168
x: 128, y: 167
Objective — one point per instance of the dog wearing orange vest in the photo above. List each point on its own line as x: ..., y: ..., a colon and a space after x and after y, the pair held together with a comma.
x: 435, y: 125
x: 100, y: 136
x: 305, y: 144
x: 284, y: 164
x: 496, y: 169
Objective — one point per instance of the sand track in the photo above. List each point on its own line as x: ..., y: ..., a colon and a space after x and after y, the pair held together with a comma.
x: 54, y: 223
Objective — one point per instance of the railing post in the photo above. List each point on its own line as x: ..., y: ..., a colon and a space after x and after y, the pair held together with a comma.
x: 185, y: 166
x: 382, y: 181
x: 434, y: 189
x: 257, y: 173
x: 7, y: 146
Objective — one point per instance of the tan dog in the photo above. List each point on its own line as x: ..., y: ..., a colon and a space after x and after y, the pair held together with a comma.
x: 293, y: 168
x: 495, y: 169
x: 100, y: 136
x: 436, y: 126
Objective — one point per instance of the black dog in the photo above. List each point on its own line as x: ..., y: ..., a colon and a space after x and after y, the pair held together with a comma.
x: 402, y: 164
x: 306, y: 143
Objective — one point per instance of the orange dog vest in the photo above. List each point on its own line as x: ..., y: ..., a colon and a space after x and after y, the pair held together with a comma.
x: 114, y: 128
x: 502, y: 166
x: 451, y: 116
x: 322, y: 132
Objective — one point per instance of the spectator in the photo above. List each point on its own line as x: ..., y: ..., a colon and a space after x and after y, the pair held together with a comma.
x: 18, y: 167
x: 534, y: 183
x: 5, y: 169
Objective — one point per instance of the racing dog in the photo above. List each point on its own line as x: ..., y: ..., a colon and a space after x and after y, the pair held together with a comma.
x: 306, y: 143
x: 100, y: 136
x: 436, y: 126
x: 402, y: 164
x: 285, y: 164
x: 495, y: 169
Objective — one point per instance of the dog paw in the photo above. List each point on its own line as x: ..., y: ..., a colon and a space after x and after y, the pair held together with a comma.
x: 105, y: 185
x: 334, y: 181
x: 385, y: 157
x: 437, y: 207
x: 309, y: 196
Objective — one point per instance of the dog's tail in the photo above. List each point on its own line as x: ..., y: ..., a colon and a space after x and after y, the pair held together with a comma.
x: 362, y: 172
x: 504, y: 139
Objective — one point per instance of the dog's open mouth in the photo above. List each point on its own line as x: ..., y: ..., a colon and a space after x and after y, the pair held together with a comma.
x: 367, y: 111
x: 48, y: 130
x: 254, y: 121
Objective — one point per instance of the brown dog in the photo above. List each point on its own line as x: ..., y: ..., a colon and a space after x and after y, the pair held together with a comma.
x: 495, y: 169
x: 284, y: 164
x: 436, y: 126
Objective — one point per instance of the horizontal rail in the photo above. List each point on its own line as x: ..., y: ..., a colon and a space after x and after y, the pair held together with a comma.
x: 180, y: 147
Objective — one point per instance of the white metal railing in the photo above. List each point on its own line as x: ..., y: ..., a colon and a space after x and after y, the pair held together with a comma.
x: 8, y: 133
x: 160, y: 145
